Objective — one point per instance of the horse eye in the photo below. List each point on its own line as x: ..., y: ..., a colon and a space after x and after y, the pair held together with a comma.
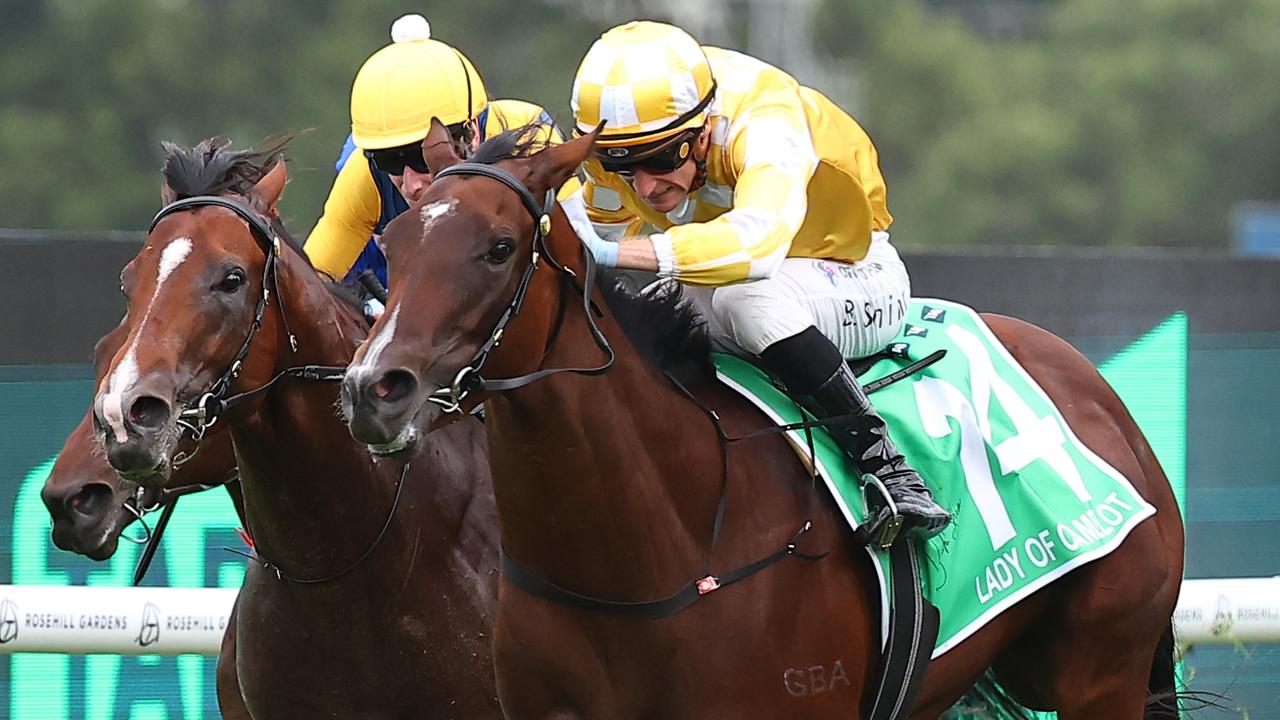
x: 500, y: 252
x: 232, y: 281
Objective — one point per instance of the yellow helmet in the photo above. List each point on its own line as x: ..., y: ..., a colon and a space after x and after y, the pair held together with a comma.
x: 402, y: 86
x: 647, y: 80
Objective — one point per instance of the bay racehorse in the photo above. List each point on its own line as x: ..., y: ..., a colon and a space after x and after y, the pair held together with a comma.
x: 373, y: 582
x: 608, y: 484
x: 91, y: 505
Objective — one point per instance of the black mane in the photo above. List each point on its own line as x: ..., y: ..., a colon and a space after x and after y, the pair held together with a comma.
x: 519, y: 142
x: 213, y: 168
x: 664, y: 327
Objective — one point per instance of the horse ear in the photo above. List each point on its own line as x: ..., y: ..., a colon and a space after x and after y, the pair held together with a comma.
x: 271, y: 186
x: 438, y: 148
x: 552, y: 167
x: 167, y: 194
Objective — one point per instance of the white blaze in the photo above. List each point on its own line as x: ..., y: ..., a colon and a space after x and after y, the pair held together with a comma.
x: 384, y: 338
x: 430, y: 212
x: 126, y: 373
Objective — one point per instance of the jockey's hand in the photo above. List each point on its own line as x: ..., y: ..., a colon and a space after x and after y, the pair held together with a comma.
x: 373, y: 310
x: 604, y: 252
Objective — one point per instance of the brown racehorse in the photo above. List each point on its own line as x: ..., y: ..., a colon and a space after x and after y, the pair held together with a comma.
x: 90, y: 504
x: 608, y: 486
x: 87, y: 501
x: 373, y: 590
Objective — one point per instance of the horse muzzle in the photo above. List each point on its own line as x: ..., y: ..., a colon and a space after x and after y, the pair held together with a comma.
x: 381, y: 407
x: 138, y: 434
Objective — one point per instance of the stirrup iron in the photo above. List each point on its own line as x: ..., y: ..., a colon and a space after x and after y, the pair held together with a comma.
x: 885, y: 528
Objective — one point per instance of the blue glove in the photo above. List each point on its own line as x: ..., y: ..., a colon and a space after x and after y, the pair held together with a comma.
x: 604, y: 252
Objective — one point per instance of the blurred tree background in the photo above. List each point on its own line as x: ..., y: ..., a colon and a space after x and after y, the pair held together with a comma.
x: 1032, y: 122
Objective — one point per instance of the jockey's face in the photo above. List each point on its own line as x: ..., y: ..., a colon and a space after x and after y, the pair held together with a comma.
x: 665, y: 191
x: 412, y: 184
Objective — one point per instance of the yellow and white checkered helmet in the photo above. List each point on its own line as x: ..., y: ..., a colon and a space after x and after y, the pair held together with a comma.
x: 647, y: 80
x: 402, y: 86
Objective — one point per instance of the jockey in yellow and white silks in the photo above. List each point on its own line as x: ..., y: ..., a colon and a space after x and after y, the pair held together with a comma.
x: 716, y: 169
x: 396, y: 93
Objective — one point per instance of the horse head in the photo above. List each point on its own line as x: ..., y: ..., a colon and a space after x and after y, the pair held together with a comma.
x: 89, y: 503
x: 197, y: 322
x: 465, y: 251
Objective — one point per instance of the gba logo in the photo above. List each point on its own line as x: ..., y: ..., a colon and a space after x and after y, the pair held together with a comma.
x: 150, y: 632
x: 8, y: 621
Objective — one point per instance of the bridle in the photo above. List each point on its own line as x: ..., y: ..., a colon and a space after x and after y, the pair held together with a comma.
x: 197, y: 418
x: 468, y: 380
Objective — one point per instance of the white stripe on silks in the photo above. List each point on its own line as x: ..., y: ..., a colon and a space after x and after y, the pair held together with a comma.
x: 126, y: 373
x: 684, y: 92
x: 774, y: 141
x: 618, y: 98
x: 752, y: 223
x: 600, y: 59
x: 690, y: 54
x: 641, y: 66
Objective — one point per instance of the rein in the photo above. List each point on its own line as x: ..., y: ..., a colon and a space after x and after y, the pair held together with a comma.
x: 214, y: 402
x: 469, y: 380
x: 167, y: 503
x: 285, y: 577
x: 211, y: 404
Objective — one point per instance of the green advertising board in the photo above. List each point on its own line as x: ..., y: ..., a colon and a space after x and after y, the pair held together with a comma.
x: 39, y: 410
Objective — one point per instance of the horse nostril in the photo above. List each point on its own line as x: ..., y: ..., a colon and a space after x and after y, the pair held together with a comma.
x: 91, y: 502
x: 149, y: 413
x: 395, y: 385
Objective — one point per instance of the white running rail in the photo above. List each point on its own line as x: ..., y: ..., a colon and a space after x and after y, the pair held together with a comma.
x: 173, y: 621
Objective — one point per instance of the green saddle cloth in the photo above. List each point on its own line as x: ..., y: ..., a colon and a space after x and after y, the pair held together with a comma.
x: 1029, y: 501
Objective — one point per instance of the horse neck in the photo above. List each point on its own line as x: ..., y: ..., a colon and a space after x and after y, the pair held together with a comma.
x: 591, y: 472
x: 308, y: 486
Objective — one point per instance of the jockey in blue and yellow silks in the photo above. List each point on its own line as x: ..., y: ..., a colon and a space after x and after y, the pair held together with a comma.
x: 396, y: 93
x: 716, y: 169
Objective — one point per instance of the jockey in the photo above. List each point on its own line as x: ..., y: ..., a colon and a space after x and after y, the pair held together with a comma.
x: 396, y: 93
x: 716, y: 169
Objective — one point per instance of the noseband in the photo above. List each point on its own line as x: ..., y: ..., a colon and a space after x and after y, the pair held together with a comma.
x: 468, y: 380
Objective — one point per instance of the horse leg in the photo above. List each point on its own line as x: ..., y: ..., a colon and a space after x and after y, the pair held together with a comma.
x: 230, y: 701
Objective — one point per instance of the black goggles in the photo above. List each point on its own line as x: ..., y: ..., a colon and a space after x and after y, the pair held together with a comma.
x: 393, y: 161
x: 659, y: 158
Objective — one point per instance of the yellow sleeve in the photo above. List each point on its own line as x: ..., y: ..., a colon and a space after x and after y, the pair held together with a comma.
x: 774, y: 156
x: 350, y: 214
x: 612, y: 219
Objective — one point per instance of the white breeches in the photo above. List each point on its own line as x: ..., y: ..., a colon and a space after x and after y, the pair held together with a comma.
x: 859, y: 306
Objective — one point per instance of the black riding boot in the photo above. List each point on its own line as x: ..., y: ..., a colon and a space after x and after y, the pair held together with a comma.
x: 835, y: 391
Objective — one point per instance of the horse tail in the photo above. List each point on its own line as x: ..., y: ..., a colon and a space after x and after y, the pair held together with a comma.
x: 1162, y: 698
